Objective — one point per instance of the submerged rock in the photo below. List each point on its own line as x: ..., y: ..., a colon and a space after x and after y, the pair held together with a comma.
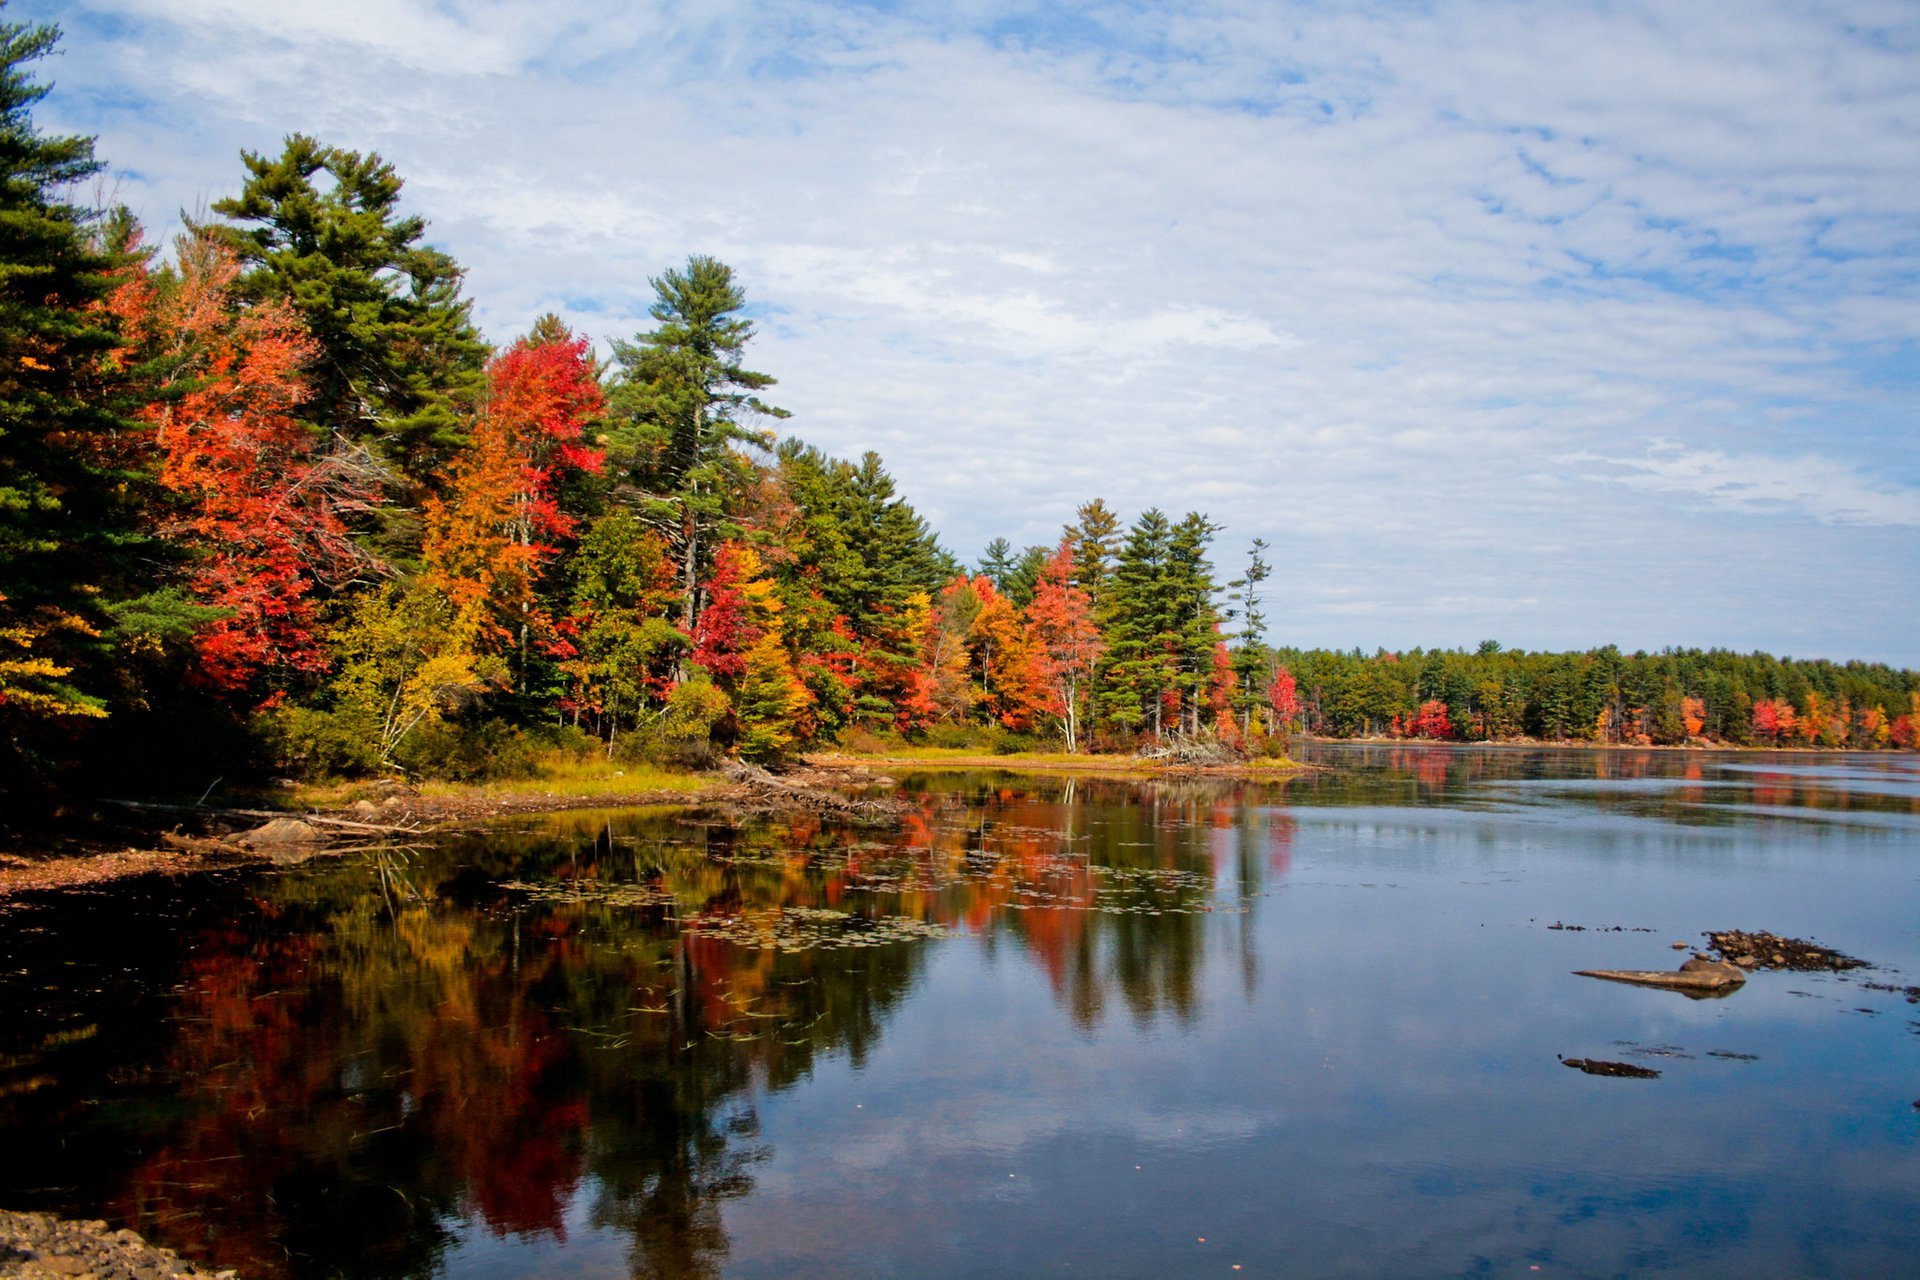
x: 1771, y: 951
x: 1601, y: 1067
x: 281, y: 831
x: 284, y: 840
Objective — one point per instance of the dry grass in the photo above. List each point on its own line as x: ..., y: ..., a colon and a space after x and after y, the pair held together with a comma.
x: 556, y: 774
x: 564, y: 775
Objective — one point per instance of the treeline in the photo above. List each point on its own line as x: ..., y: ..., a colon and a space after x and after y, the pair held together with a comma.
x: 269, y: 494
x: 270, y: 497
x: 1668, y: 698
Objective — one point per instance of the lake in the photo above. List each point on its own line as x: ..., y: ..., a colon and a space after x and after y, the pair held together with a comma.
x: 1044, y: 1025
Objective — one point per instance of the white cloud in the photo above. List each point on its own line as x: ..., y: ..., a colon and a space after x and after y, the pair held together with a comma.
x: 1806, y: 486
x: 1362, y: 280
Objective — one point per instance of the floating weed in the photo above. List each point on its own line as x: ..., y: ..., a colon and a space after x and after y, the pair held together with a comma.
x: 813, y: 928
x: 617, y: 895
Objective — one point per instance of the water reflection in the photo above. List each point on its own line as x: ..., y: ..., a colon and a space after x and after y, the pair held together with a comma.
x: 620, y: 1043
x: 1680, y: 786
x: 352, y: 1060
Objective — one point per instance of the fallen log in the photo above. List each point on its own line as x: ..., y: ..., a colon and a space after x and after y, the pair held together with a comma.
x: 1697, y: 974
x: 270, y: 815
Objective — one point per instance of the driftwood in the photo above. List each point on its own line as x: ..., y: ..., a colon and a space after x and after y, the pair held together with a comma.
x: 1203, y: 751
x: 1697, y: 974
x: 777, y: 792
x: 271, y: 816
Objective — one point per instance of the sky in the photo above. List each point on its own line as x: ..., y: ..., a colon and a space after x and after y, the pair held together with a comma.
x: 1559, y: 324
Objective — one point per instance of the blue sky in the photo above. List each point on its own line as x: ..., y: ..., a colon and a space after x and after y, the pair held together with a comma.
x: 1561, y: 324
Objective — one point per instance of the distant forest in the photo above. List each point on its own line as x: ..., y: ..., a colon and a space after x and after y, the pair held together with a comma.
x: 268, y: 501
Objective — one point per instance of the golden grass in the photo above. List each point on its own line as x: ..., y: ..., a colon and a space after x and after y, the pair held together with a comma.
x: 566, y: 775
x: 555, y: 773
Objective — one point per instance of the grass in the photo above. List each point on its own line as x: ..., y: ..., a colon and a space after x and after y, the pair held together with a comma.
x: 571, y: 776
x: 555, y: 773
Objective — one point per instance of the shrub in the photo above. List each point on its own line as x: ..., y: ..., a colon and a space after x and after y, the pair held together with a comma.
x: 309, y: 743
x: 866, y: 740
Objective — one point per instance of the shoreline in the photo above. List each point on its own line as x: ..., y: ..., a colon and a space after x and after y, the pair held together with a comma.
x: 180, y: 854
x: 444, y: 808
x: 87, y: 862
x: 1699, y: 746
x: 1052, y: 762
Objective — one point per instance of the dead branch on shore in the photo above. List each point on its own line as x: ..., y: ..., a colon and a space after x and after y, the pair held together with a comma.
x: 411, y: 827
x: 777, y: 792
x: 1196, y: 751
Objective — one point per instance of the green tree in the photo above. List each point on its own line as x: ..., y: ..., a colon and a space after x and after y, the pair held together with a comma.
x: 1093, y: 539
x: 1024, y: 577
x: 401, y: 364
x: 996, y: 563
x: 1191, y: 587
x: 1161, y: 625
x: 1251, y: 664
x: 80, y: 571
x: 681, y: 411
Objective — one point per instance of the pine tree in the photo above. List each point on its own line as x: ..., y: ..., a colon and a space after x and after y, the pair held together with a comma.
x: 680, y: 415
x: 1196, y: 622
x: 400, y: 363
x: 1250, y: 659
x: 996, y: 563
x: 1093, y: 541
x: 1142, y: 629
x: 77, y: 569
x: 1024, y: 577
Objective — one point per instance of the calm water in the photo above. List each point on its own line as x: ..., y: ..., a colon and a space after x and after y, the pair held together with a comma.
x: 1044, y: 1027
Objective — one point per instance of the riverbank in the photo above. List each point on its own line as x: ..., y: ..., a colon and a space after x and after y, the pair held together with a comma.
x: 1695, y: 745
x: 123, y: 839
x: 139, y: 838
x: 1130, y: 766
x: 35, y: 1246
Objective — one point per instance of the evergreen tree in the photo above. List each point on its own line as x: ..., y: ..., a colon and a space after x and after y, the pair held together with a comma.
x: 1250, y: 663
x: 1142, y: 626
x: 996, y: 563
x: 1196, y: 623
x: 1025, y: 575
x: 400, y: 363
x: 1092, y: 541
x: 681, y: 407
x: 78, y: 573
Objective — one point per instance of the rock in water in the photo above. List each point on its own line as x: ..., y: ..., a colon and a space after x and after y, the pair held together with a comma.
x: 281, y: 831
x: 1694, y: 975
x: 285, y: 840
x: 1601, y: 1067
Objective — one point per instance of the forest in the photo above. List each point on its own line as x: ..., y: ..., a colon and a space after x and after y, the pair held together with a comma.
x: 270, y: 504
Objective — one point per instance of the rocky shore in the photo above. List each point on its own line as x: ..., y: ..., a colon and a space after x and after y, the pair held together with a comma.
x: 34, y: 1246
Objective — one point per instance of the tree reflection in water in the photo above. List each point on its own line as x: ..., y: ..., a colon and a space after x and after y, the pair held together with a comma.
x: 361, y: 1059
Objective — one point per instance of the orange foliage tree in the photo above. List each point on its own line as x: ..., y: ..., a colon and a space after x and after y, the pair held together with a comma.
x: 1013, y: 678
x: 500, y: 523
x: 258, y: 505
x: 738, y: 642
x: 1060, y: 621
